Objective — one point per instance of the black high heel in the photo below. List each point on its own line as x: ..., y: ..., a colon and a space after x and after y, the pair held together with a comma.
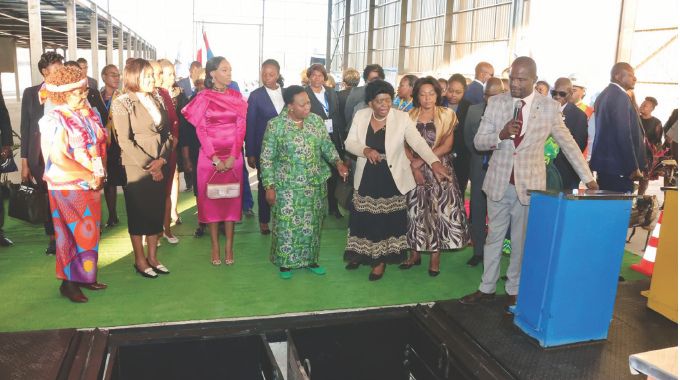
x: 148, y: 272
x: 409, y: 265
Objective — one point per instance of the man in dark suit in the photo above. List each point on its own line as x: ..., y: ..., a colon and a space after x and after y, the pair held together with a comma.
x: 577, y: 123
x: 187, y: 84
x: 264, y: 104
x: 356, y: 98
x: 324, y: 102
x: 479, y: 163
x: 91, y: 82
x: 618, y: 148
x: 6, y: 153
x: 32, y: 109
x: 94, y: 97
x: 475, y: 91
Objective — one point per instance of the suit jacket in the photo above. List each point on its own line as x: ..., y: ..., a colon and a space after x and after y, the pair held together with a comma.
x: 399, y: 129
x: 356, y: 96
x: 342, y: 102
x: 94, y: 97
x: 618, y: 147
x: 185, y: 85
x: 459, y: 135
x: 527, y: 159
x: 338, y: 135
x: 260, y: 111
x: 471, y: 126
x: 31, y: 112
x: 5, y: 124
x: 140, y: 140
x: 474, y: 93
x: 577, y: 123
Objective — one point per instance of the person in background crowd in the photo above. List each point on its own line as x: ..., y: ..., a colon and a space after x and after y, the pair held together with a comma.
x: 444, y: 86
x: 324, y: 102
x: 115, y: 173
x: 296, y: 154
x: 32, y: 109
x: 506, y: 84
x: 264, y: 104
x: 304, y: 80
x: 670, y: 130
x: 73, y: 144
x: 516, y: 166
x: 404, y: 99
x: 577, y: 123
x: 91, y: 82
x: 355, y: 100
x: 475, y: 91
x: 175, y: 101
x: 188, y: 84
x: 141, y: 123
x: 618, y: 154
x: 461, y: 155
x: 219, y: 115
x: 190, y: 147
x: 543, y: 88
x: 383, y: 176
x: 350, y: 80
x: 479, y: 163
x: 436, y: 213
x: 6, y: 144
x: 577, y: 96
x: 654, y: 135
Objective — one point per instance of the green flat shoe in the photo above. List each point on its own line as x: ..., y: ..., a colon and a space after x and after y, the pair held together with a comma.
x: 318, y: 270
x: 287, y: 275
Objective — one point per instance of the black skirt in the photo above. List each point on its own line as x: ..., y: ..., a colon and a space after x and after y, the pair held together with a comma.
x: 144, y: 202
x: 378, y: 213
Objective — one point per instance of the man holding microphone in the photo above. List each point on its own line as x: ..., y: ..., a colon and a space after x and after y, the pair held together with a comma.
x: 515, y: 126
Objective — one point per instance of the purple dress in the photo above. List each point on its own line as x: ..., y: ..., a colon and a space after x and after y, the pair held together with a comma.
x: 220, y: 121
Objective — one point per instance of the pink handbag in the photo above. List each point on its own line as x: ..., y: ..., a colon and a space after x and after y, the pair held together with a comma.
x: 223, y: 190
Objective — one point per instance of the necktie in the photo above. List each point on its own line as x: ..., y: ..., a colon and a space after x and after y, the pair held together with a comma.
x: 518, y: 138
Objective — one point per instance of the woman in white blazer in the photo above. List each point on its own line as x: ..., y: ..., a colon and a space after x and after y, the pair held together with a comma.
x: 378, y: 219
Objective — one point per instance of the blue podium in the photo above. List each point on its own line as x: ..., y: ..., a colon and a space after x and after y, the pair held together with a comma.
x: 572, y: 259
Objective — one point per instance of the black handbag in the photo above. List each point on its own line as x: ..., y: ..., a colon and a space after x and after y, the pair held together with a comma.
x: 344, y: 191
x: 29, y: 203
x: 8, y: 165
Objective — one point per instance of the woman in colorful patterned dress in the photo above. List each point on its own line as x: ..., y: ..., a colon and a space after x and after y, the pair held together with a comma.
x: 377, y: 222
x: 295, y: 151
x: 219, y: 115
x: 436, y: 214
x: 73, y: 143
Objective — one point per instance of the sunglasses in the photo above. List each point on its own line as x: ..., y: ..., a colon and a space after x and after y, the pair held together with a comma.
x: 560, y: 93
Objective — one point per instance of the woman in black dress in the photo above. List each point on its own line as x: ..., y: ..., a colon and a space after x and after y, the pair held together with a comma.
x: 378, y: 219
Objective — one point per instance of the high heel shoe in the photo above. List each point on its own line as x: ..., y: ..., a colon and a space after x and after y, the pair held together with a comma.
x: 148, y: 272
x: 434, y: 273
x: 408, y: 265
x: 171, y: 239
x: 159, y: 269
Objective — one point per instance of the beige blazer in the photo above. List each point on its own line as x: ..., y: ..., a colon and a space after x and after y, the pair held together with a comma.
x: 399, y: 129
x: 527, y: 159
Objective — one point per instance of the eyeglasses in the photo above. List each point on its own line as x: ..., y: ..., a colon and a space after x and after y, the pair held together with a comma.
x: 562, y: 94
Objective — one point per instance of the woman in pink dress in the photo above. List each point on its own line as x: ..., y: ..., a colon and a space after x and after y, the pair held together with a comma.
x: 219, y: 115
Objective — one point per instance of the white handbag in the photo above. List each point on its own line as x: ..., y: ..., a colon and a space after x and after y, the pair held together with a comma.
x: 222, y: 190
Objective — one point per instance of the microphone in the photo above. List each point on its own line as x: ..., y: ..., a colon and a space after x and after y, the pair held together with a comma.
x: 515, y: 113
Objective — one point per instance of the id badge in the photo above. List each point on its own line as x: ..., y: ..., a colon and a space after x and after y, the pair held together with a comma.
x: 329, y: 125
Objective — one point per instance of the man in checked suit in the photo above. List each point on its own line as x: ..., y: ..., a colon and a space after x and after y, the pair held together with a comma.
x: 516, y: 166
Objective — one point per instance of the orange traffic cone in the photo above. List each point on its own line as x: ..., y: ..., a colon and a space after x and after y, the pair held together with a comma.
x: 646, y: 265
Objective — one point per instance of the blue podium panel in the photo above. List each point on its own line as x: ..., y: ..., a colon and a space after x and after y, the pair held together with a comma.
x: 572, y: 259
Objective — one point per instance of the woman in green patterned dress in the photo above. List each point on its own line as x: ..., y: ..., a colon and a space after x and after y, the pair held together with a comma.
x: 296, y: 152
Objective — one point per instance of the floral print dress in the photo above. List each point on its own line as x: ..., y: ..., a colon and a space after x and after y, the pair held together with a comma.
x: 295, y: 162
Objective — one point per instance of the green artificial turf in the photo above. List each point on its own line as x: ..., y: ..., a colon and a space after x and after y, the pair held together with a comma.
x: 196, y: 290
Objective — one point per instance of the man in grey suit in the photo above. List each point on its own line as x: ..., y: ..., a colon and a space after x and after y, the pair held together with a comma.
x: 479, y: 162
x: 515, y: 126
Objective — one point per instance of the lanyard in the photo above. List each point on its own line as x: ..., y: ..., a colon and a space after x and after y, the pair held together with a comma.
x: 401, y: 102
x: 325, y: 105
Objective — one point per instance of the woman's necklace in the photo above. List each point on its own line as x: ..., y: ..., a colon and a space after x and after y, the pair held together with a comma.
x: 219, y: 89
x: 376, y: 118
